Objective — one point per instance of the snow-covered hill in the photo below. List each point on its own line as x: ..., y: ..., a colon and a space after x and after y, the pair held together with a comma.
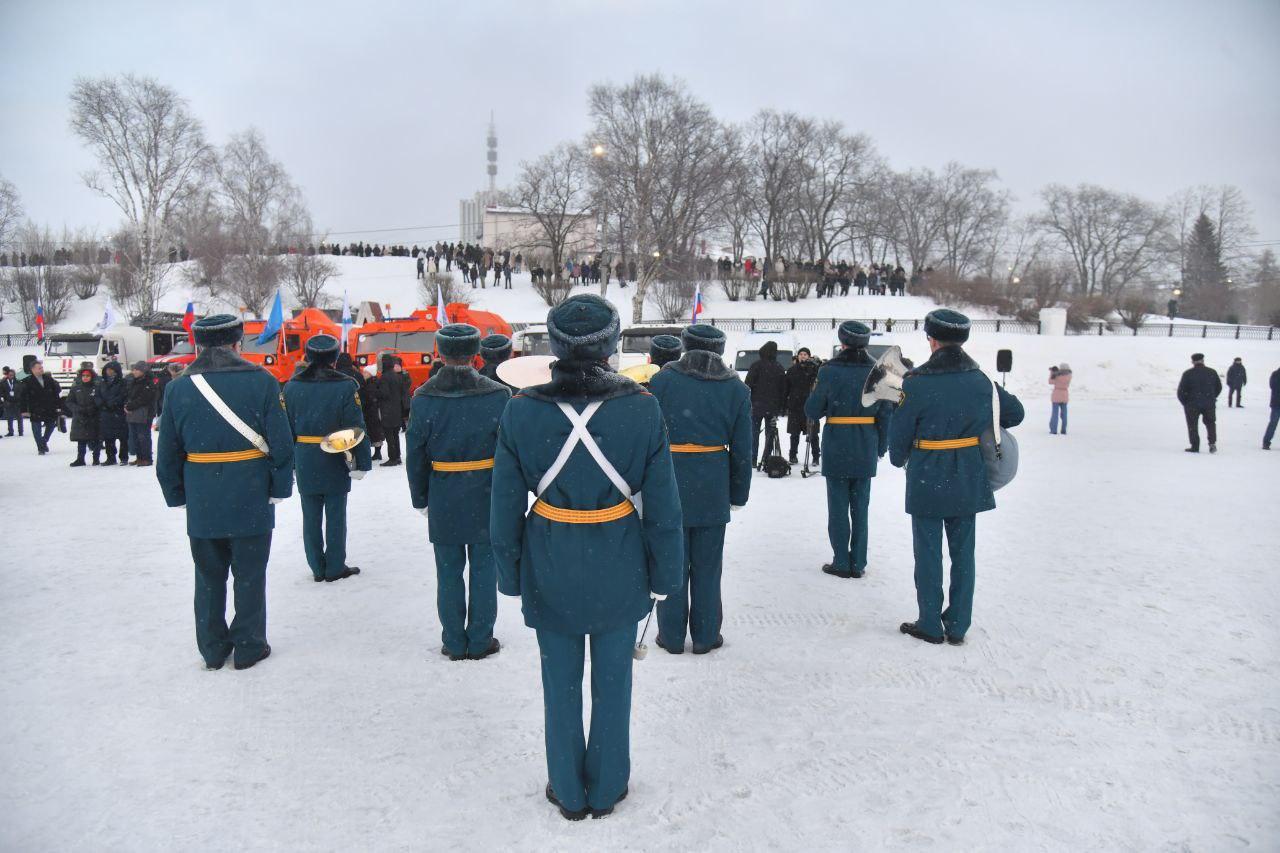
x: 1111, y: 367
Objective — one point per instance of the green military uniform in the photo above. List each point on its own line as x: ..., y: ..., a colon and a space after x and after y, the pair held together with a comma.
x: 229, y: 482
x: 453, y: 428
x: 854, y: 437
x: 707, y: 410
x: 935, y: 433
x: 591, y: 445
x: 321, y: 400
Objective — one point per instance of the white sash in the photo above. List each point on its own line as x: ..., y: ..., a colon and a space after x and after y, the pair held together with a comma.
x: 232, y: 419
x: 579, y: 434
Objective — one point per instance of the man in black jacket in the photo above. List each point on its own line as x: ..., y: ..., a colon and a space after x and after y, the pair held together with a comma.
x: 768, y: 383
x: 1236, y: 379
x: 10, y: 388
x: 393, y: 405
x: 1198, y: 393
x: 139, y: 409
x: 41, y: 400
x: 1275, y: 411
x: 801, y: 377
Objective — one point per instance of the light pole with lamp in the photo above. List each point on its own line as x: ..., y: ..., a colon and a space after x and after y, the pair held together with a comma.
x: 602, y: 226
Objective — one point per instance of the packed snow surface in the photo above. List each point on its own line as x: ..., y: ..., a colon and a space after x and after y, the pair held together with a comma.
x: 1119, y: 688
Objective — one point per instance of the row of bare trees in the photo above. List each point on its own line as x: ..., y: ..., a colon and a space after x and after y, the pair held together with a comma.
x: 231, y: 205
x: 658, y: 175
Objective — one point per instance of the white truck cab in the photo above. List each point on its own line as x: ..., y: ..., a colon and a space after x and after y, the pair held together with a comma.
x: 64, y: 352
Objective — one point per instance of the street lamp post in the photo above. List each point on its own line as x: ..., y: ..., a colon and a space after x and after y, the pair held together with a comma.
x: 602, y: 226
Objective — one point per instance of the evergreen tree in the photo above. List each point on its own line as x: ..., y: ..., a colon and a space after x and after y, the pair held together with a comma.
x: 1208, y: 292
x: 1266, y: 289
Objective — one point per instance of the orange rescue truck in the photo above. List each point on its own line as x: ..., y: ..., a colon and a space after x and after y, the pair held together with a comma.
x: 413, y: 338
x: 282, y: 355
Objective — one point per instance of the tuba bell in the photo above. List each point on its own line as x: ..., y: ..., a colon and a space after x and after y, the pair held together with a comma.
x: 342, y: 441
x: 884, y: 382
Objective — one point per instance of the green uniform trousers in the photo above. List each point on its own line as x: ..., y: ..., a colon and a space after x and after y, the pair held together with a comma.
x: 326, y: 548
x: 466, y: 614
x: 246, y: 558
x: 961, y: 535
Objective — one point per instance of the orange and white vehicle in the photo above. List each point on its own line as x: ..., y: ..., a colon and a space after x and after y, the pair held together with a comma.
x: 282, y: 354
x: 413, y: 338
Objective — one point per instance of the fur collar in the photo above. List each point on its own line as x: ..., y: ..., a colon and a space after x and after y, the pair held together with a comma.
x: 316, y: 373
x: 219, y: 360
x: 948, y: 359
x: 702, y: 364
x: 851, y: 357
x: 458, y: 381
x: 582, y: 382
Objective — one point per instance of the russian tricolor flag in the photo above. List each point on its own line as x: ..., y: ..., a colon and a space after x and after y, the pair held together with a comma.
x: 39, y: 323
x: 697, y: 303
x: 189, y: 320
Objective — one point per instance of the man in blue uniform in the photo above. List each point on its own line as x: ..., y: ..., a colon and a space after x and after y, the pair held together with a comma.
x: 854, y: 438
x: 664, y: 349
x: 494, y: 349
x: 946, y: 406
x: 321, y: 400
x: 453, y: 427
x: 707, y: 409
x: 226, y: 454
x: 592, y: 446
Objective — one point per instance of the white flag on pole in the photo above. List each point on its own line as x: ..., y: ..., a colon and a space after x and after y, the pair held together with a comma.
x: 108, y: 318
x: 442, y: 316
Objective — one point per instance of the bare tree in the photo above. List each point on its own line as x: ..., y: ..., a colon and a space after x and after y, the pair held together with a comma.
x: 262, y: 204
x: 836, y: 165
x: 1112, y: 237
x: 151, y: 151
x: 447, y: 285
x: 554, y: 193
x: 10, y: 211
x: 306, y: 276
x: 775, y: 146
x: 1134, y: 308
x: 43, y: 283
x: 253, y: 279
x: 971, y: 214
x: 910, y: 203
x: 672, y: 292
x: 669, y: 160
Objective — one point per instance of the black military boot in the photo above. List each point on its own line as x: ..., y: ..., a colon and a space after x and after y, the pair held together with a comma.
x: 492, y: 649
x: 955, y: 641
x: 566, y: 813
x: 702, y: 650
x: 830, y: 569
x: 266, y: 653
x: 605, y: 812
x: 347, y: 571
x: 911, y: 630
x: 671, y: 650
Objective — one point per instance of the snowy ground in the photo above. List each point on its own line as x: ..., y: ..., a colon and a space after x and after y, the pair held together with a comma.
x: 1119, y: 689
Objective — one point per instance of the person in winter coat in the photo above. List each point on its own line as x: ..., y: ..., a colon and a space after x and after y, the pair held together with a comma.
x: 1236, y: 379
x: 1198, y: 392
x: 139, y: 409
x: 708, y: 414
x: 855, y: 437
x: 591, y: 445
x: 9, y: 402
x: 801, y: 377
x: 768, y: 383
x: 449, y: 452
x: 82, y: 402
x: 229, y: 486
x: 1060, y: 379
x: 171, y: 372
x: 1275, y: 411
x: 320, y: 400
x: 41, y: 401
x: 369, y: 390
x: 393, y: 405
x: 935, y: 433
x: 113, y: 430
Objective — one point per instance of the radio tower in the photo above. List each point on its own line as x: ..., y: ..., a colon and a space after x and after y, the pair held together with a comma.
x: 493, y: 159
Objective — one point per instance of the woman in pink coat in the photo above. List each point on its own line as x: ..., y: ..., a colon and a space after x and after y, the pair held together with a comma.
x: 1060, y: 379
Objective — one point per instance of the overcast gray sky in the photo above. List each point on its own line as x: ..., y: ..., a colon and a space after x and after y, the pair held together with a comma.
x: 379, y: 109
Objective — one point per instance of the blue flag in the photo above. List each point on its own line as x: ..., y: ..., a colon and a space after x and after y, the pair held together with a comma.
x: 274, y: 322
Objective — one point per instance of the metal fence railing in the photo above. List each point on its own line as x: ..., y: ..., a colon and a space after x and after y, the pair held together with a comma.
x: 1180, y: 330
x: 20, y: 339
